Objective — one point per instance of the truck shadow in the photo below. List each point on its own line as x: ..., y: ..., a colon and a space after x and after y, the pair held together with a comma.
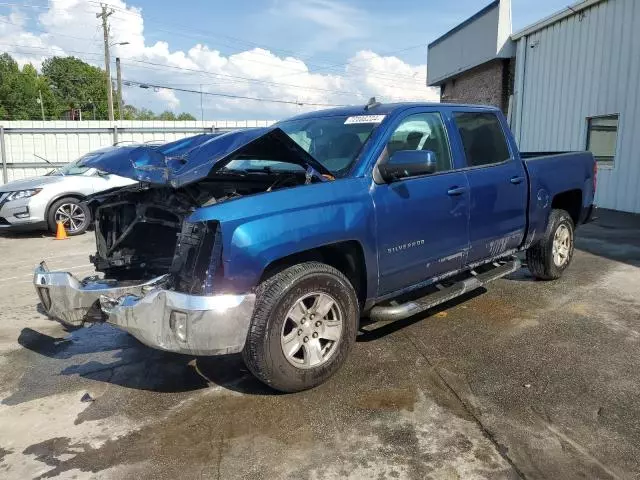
x: 119, y: 359
x: 105, y: 354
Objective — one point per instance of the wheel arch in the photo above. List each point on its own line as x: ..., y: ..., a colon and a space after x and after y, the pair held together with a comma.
x: 345, y: 256
x: 60, y: 196
x: 571, y: 202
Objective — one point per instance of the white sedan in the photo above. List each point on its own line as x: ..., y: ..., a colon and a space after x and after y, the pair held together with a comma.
x: 41, y: 202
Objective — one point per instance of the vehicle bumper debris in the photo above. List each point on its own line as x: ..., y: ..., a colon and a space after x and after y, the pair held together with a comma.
x: 159, y: 318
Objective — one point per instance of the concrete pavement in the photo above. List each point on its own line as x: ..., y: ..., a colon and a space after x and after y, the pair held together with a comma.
x: 523, y: 380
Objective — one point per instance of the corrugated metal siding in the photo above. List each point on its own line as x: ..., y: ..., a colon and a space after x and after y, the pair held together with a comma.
x: 585, y: 65
x: 66, y: 147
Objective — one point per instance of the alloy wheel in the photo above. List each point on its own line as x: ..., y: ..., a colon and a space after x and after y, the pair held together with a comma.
x: 561, y: 246
x: 72, y: 217
x: 312, y: 330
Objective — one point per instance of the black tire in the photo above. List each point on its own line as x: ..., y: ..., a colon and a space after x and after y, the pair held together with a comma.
x: 540, y: 258
x: 263, y: 352
x: 71, y: 201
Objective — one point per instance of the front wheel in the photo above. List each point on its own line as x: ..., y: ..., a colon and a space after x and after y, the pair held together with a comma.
x: 72, y: 213
x: 551, y: 256
x: 303, y: 327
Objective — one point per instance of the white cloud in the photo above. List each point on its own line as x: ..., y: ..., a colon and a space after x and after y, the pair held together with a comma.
x: 71, y: 27
x: 169, y: 98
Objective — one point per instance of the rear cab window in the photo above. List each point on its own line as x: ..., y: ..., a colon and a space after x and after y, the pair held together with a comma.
x: 482, y: 137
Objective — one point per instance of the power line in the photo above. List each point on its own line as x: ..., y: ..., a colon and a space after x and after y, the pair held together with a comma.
x: 47, y: 49
x: 359, y: 94
x: 246, y: 79
x: 190, y: 29
x: 257, y: 80
x: 413, y: 47
x: 96, y: 55
x: 47, y: 32
x: 220, y: 76
x: 3, y: 4
x: 389, y: 76
x: 226, y: 95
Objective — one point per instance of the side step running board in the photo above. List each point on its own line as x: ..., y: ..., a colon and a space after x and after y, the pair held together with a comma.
x: 476, y: 280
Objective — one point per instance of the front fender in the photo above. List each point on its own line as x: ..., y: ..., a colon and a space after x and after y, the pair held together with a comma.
x: 260, y: 229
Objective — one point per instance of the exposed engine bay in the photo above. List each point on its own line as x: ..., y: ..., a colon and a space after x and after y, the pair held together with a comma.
x: 141, y: 231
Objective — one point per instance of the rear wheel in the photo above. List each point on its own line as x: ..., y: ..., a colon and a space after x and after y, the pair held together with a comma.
x: 303, y: 326
x: 551, y: 256
x: 72, y: 213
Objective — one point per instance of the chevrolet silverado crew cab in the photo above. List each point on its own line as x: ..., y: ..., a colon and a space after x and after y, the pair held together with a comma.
x: 274, y: 242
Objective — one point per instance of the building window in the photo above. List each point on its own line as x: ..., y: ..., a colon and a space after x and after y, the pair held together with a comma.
x: 602, y: 136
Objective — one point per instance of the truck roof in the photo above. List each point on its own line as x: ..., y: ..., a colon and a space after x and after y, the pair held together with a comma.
x: 386, y: 109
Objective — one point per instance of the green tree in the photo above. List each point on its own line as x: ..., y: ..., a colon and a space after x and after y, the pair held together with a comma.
x: 76, y: 84
x: 166, y: 115
x: 129, y: 112
x: 185, y: 116
x: 65, y: 83
x: 145, y: 114
x: 20, y: 91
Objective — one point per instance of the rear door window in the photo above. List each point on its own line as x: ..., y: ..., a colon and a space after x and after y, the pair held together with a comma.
x: 482, y: 137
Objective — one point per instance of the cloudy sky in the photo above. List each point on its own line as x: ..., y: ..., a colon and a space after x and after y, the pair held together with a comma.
x: 314, y: 52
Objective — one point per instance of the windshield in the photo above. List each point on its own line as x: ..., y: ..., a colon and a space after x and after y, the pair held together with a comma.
x: 335, y: 142
x: 75, y: 168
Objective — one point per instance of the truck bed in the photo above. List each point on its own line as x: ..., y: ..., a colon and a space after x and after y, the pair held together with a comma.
x: 553, y: 177
x: 532, y: 155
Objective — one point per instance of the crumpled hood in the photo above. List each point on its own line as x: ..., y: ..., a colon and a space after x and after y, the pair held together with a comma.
x: 191, y: 159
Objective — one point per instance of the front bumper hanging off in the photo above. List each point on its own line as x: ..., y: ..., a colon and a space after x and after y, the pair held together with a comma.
x: 159, y: 318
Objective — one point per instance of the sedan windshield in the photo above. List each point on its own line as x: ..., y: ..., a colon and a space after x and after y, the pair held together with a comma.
x: 75, y: 168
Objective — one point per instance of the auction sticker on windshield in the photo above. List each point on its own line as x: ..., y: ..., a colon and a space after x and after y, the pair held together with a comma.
x: 364, y: 119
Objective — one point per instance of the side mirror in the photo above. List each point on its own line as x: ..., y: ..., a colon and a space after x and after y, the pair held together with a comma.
x: 408, y: 163
x: 102, y: 174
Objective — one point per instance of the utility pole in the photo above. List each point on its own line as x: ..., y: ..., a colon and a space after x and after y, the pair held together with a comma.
x: 201, y: 109
x: 119, y: 90
x: 107, y: 60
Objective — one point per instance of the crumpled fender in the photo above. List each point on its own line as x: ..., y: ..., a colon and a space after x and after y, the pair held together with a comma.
x: 260, y: 229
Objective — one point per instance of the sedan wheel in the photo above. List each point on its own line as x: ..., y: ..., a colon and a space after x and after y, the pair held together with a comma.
x: 71, y: 216
x: 72, y: 213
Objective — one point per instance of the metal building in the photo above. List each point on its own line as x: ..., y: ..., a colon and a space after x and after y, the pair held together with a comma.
x: 575, y: 87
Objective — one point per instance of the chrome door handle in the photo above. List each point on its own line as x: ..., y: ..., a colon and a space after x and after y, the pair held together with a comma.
x: 453, y: 191
x: 516, y: 180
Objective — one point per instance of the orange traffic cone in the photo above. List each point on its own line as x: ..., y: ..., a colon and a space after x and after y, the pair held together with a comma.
x: 61, y: 233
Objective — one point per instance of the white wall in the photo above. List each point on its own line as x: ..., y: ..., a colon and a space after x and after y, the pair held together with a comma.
x: 58, y: 147
x: 587, y: 64
x: 481, y: 38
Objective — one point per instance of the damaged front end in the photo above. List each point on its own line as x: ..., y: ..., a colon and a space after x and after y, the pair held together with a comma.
x: 142, y: 233
x: 161, y: 272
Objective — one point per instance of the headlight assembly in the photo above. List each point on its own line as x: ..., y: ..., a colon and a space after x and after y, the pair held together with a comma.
x: 23, y: 194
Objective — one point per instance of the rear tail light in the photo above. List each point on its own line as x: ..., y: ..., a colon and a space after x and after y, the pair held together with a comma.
x: 595, y: 176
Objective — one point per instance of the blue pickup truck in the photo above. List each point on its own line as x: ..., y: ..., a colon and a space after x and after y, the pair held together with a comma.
x: 275, y: 242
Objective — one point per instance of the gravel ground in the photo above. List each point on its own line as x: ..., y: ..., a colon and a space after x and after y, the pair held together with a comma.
x: 524, y: 379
